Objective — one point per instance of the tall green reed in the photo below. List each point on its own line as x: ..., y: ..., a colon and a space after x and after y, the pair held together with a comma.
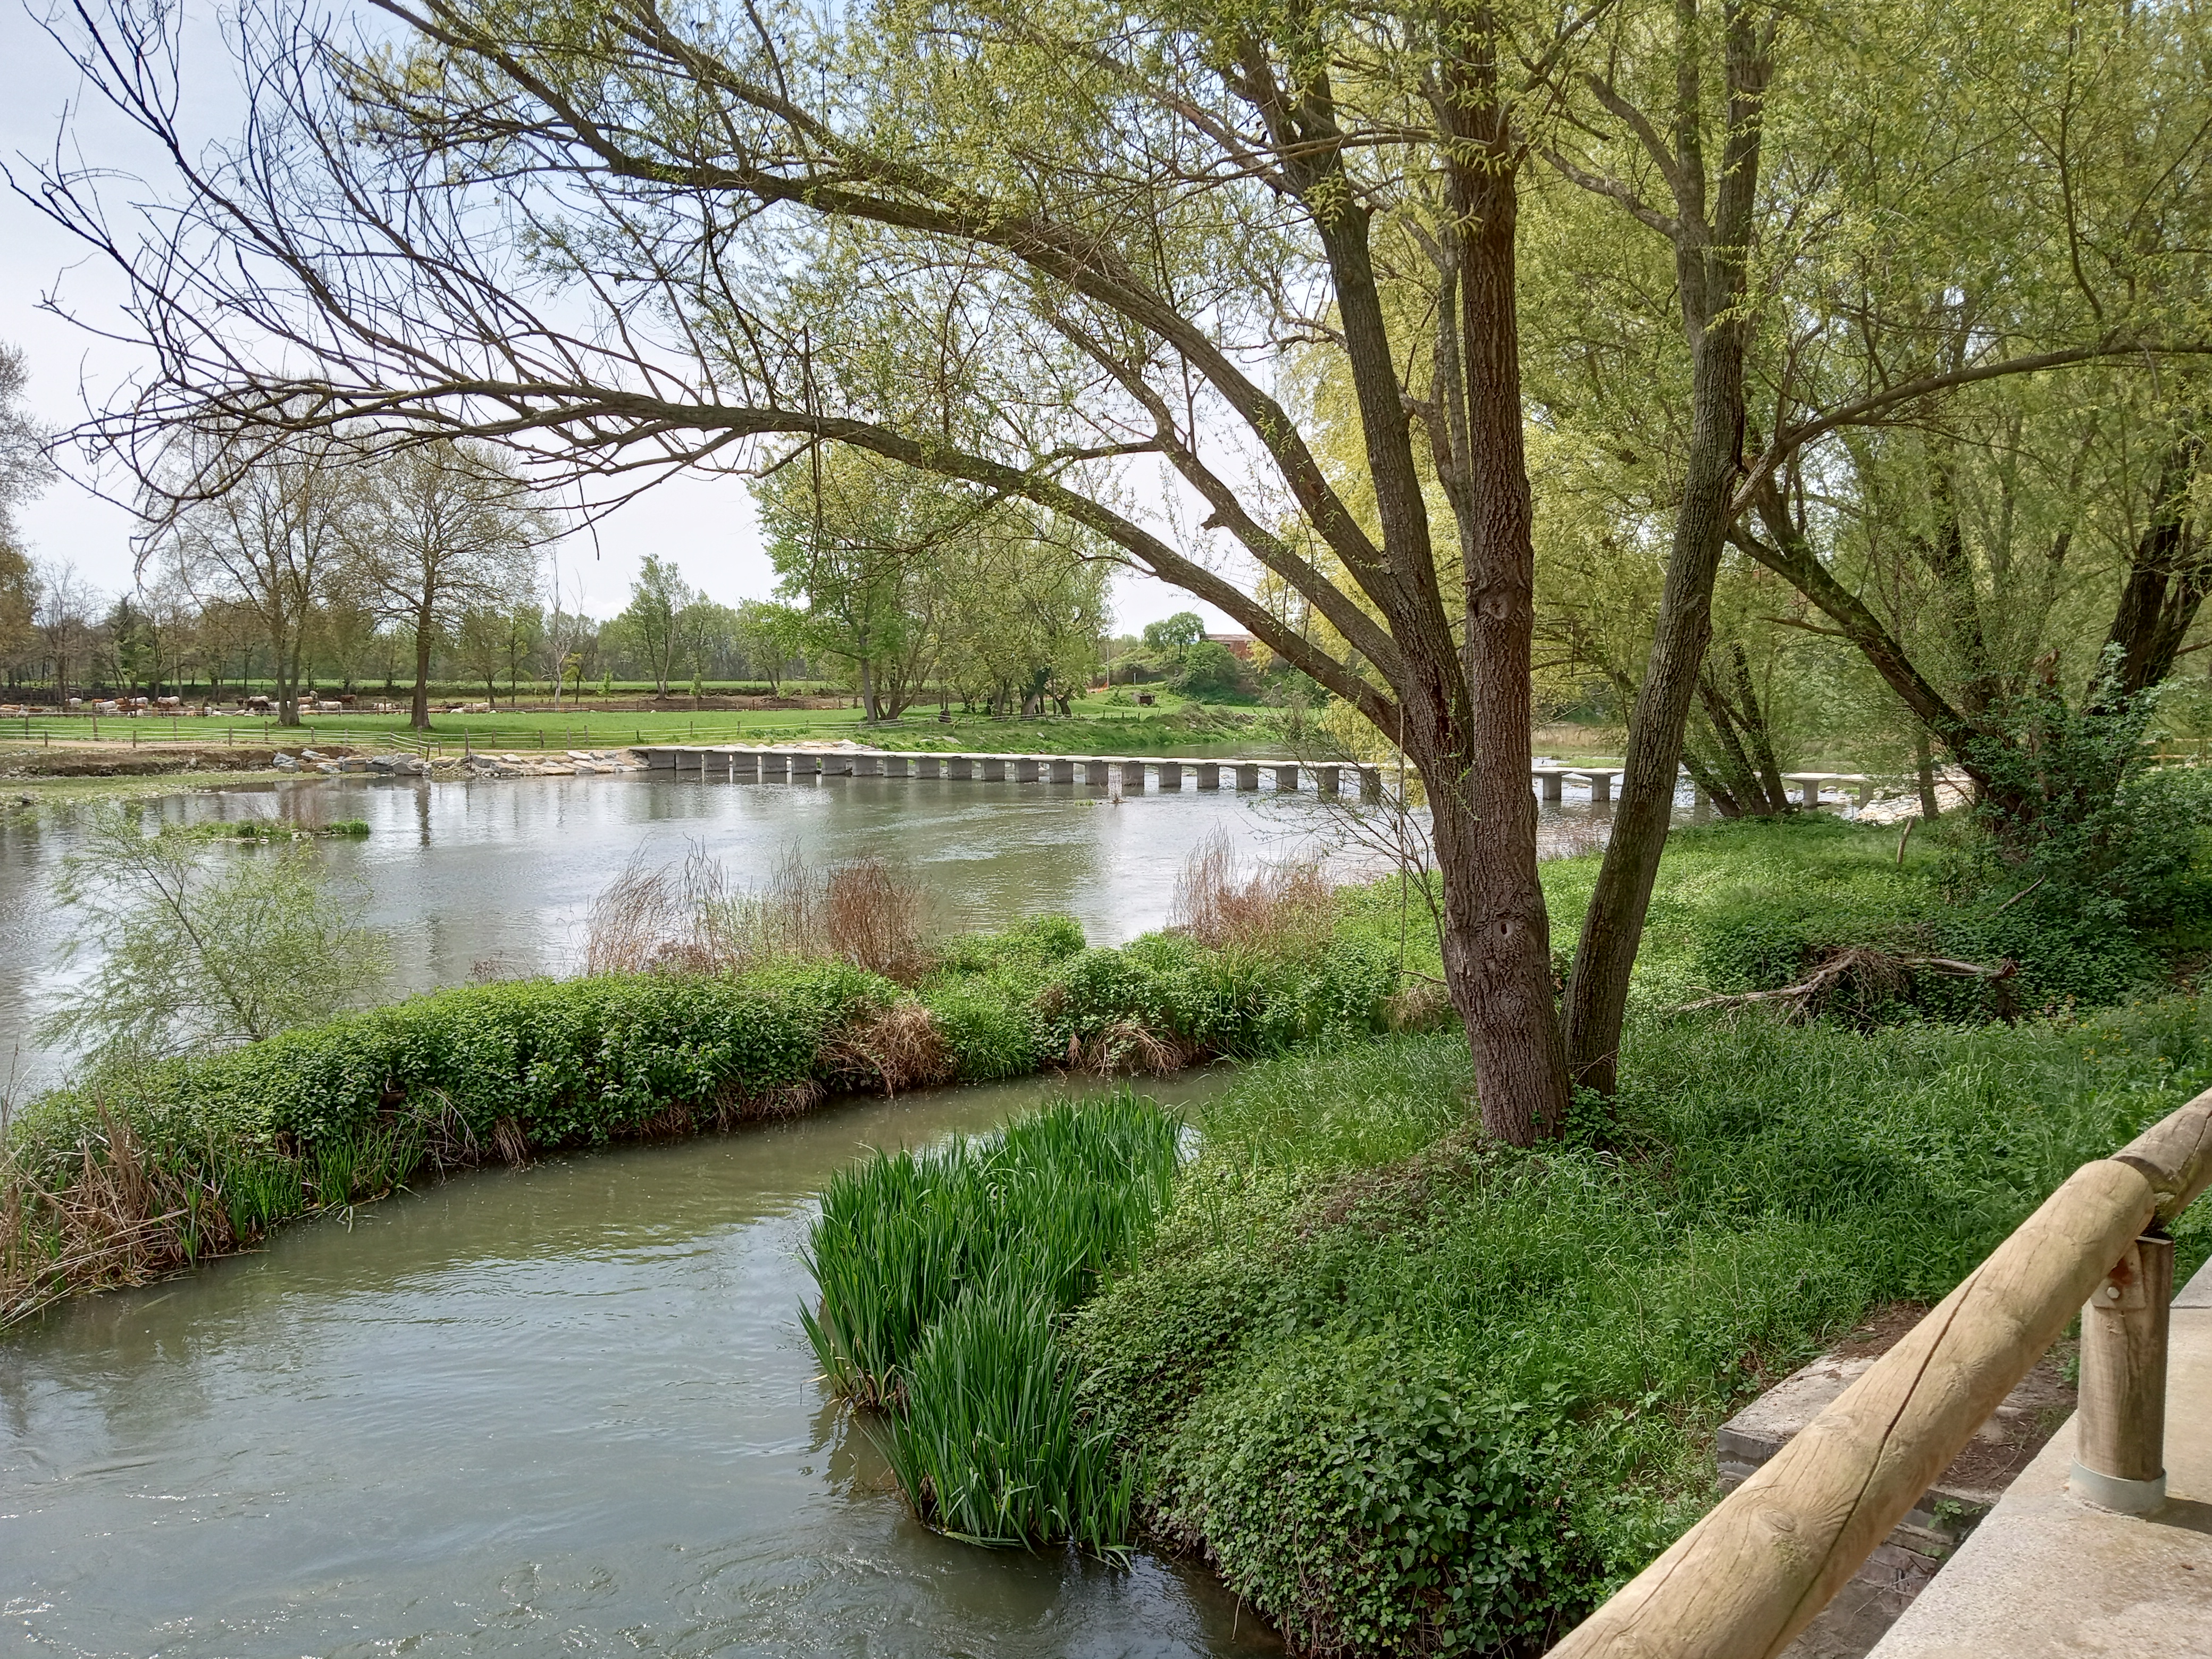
x: 943, y: 1275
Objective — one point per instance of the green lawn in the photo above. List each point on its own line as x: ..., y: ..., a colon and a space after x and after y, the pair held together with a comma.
x: 1173, y: 726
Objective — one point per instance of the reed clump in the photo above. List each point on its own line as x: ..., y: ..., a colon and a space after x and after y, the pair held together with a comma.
x: 1283, y: 909
x: 945, y: 1275
x: 692, y: 917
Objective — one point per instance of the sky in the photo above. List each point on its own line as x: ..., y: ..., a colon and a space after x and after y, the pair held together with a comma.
x: 704, y: 524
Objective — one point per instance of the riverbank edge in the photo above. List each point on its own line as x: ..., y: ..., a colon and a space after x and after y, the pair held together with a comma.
x: 138, y: 1172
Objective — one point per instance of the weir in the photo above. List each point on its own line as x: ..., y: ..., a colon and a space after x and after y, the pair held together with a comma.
x: 736, y: 764
x: 721, y: 762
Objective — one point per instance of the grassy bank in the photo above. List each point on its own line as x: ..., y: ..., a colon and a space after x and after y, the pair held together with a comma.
x: 1411, y: 1392
x: 1098, y: 726
x: 146, y: 1167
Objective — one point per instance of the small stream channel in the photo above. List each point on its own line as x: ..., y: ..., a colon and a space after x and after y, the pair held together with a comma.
x: 565, y: 1409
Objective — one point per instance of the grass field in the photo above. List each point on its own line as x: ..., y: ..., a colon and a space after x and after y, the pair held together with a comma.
x: 1173, y: 726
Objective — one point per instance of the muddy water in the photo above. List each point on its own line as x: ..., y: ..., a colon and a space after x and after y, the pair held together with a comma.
x: 563, y: 1409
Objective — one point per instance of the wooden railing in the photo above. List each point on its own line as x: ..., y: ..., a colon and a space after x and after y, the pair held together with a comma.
x: 1743, y: 1582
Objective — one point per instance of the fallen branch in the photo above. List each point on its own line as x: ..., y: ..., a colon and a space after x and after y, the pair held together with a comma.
x: 1881, y: 966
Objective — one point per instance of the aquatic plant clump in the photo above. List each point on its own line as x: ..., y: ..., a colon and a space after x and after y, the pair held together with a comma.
x: 944, y: 1275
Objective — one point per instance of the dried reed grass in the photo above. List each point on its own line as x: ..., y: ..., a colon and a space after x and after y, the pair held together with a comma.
x: 100, y: 1216
x: 1424, y: 1004
x: 1286, y: 908
x: 895, y: 1047
x: 1128, y: 1046
x: 664, y: 919
x: 871, y: 915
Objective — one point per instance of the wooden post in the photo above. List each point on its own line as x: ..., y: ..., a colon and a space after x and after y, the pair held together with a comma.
x: 2119, y: 1456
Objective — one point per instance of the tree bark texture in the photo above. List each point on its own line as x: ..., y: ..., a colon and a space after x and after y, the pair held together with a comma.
x: 1712, y: 248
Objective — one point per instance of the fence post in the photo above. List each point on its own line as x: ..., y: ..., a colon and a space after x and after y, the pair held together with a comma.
x: 2119, y: 1454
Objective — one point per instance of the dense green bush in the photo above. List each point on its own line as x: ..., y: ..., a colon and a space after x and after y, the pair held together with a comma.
x: 1414, y: 1393
x: 232, y: 1143
x: 1753, y: 907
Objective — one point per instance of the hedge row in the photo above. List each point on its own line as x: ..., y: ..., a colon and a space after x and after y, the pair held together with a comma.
x: 193, y: 1156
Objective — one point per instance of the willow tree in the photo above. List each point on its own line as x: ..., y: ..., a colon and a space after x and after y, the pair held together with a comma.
x: 1050, y: 253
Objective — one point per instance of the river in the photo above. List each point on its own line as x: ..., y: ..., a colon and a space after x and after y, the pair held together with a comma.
x: 566, y: 1408
x: 560, y: 1409
x: 495, y: 877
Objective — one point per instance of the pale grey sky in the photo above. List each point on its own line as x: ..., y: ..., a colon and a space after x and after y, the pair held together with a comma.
x: 704, y: 522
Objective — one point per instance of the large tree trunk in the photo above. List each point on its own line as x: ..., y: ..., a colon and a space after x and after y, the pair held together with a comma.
x: 418, y: 708
x: 1498, y: 935
x: 2167, y: 580
x: 1709, y: 266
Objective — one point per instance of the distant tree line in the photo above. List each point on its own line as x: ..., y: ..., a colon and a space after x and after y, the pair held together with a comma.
x: 322, y: 563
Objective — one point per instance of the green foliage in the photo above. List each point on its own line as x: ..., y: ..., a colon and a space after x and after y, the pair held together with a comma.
x: 1176, y: 633
x: 1210, y: 670
x: 992, y: 1445
x: 2066, y: 815
x: 1415, y: 1393
x: 1753, y: 905
x: 199, y: 950
x: 344, y: 1110
x: 262, y: 830
x: 943, y: 1275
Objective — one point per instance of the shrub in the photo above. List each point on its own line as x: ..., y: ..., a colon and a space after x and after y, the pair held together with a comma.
x: 203, y: 947
x: 345, y: 1110
x: 1361, y: 1495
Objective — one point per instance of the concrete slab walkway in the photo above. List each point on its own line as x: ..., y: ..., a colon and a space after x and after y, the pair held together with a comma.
x: 2049, y: 1574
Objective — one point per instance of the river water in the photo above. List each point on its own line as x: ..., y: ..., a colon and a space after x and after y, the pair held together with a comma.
x: 562, y: 1409
x: 495, y: 877
x: 567, y: 1408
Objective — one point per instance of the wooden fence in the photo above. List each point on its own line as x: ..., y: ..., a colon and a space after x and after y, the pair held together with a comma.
x: 1743, y: 1582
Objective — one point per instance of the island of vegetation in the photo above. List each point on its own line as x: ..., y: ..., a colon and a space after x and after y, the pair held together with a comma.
x: 1746, y: 392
